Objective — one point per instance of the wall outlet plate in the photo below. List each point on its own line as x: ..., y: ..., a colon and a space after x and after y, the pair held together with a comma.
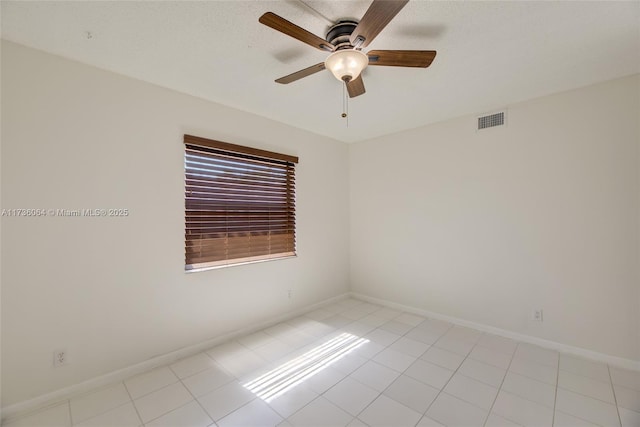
x: 60, y: 358
x: 537, y: 315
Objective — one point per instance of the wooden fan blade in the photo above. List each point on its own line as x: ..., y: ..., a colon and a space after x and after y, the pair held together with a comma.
x: 402, y: 58
x: 355, y: 87
x: 300, y: 74
x: 278, y: 23
x: 379, y: 14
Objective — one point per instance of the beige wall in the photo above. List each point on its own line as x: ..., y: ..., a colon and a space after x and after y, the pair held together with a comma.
x: 112, y: 291
x: 486, y: 226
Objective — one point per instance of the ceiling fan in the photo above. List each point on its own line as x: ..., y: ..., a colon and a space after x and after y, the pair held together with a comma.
x: 345, y: 39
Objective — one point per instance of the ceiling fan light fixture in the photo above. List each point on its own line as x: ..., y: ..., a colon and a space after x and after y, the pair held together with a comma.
x: 346, y: 64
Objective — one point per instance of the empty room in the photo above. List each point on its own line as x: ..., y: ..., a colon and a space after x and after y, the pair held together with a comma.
x: 328, y: 213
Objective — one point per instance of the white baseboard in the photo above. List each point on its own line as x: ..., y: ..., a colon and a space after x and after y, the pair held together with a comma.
x: 55, y: 397
x: 577, y: 351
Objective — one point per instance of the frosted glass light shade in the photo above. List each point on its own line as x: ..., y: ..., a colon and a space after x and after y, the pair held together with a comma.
x: 347, y: 63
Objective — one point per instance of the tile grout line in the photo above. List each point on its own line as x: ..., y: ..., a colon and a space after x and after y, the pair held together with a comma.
x: 615, y: 399
x: 468, y: 376
x: 133, y: 403
x: 195, y: 399
x: 380, y: 393
x: 69, y: 409
x: 513, y: 355
x: 424, y: 414
x: 468, y: 356
x: 370, y: 359
x: 574, y: 391
x: 506, y: 372
x: 587, y: 395
x: 104, y: 411
x: 237, y: 409
x: 555, y: 396
x: 532, y: 377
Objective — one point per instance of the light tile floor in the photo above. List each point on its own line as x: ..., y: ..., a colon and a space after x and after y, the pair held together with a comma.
x: 401, y: 370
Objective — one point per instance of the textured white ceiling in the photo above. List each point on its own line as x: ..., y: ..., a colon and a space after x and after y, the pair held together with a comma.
x: 490, y: 54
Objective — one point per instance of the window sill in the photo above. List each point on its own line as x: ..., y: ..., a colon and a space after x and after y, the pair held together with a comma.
x: 217, y: 267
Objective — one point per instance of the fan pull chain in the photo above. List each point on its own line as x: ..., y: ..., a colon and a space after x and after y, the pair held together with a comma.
x: 345, y: 103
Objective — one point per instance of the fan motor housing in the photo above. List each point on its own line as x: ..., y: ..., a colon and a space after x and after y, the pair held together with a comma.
x: 339, y: 34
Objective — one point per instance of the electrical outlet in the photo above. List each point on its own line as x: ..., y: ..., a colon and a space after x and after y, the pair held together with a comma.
x: 289, y: 293
x: 59, y: 358
x: 536, y: 315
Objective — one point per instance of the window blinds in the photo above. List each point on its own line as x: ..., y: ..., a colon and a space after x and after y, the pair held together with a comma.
x: 239, y: 204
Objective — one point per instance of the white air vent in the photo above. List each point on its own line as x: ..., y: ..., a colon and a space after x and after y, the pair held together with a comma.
x: 491, y: 120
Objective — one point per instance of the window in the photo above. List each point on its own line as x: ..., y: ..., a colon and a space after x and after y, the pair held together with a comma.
x: 239, y: 204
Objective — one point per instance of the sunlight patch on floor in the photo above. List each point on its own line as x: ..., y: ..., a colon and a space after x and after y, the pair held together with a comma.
x: 288, y: 375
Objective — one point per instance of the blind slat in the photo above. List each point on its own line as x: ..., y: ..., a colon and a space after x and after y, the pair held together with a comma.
x: 240, y: 178
x: 230, y: 164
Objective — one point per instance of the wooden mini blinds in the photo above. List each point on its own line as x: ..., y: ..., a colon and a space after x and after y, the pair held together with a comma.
x: 239, y: 204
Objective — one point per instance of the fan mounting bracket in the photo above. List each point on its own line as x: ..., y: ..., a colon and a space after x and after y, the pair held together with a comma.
x: 339, y: 33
